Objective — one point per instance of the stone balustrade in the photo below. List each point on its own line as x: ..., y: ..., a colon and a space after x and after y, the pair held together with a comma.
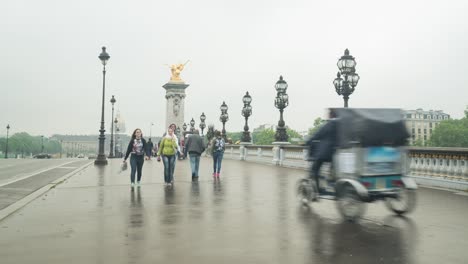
x: 438, y: 167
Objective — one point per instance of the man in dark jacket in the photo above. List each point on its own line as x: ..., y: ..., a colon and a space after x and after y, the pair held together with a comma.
x: 322, y: 146
x: 149, y: 148
x: 194, y: 147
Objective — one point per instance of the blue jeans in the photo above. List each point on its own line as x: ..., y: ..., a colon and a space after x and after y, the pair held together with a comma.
x: 136, y: 165
x: 169, y: 162
x: 194, y: 164
x: 217, y: 159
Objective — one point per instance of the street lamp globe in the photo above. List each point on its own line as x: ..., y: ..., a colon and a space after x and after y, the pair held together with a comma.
x: 224, y: 107
x: 338, y: 83
x: 354, y: 79
x: 281, y: 85
x: 192, y: 122
x: 184, y: 126
x: 247, y: 99
x: 112, y: 100
x: 104, y: 56
x: 202, y: 117
x: 346, y: 63
x: 224, y: 117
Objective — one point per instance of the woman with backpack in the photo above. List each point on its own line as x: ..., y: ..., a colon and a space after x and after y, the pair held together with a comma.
x: 218, y: 146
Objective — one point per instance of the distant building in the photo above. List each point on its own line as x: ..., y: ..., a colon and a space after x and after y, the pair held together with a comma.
x: 421, y: 123
x: 265, y: 126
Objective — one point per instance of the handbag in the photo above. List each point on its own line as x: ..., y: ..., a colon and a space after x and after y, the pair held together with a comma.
x: 123, y: 166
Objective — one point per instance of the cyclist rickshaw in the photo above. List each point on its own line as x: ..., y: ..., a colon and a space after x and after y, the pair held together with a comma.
x: 369, y: 164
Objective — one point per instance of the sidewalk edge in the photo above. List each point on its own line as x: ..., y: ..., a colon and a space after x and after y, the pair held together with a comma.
x: 7, y: 211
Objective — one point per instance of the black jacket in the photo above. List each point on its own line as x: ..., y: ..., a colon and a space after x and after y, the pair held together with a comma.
x: 130, y: 147
x: 322, y: 145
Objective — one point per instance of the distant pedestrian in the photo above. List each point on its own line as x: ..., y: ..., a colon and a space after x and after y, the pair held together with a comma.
x: 136, y: 147
x: 167, y: 150
x: 194, y: 147
x: 149, y: 148
x: 217, y: 145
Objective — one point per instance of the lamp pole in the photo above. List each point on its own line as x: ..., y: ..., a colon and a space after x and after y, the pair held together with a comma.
x: 116, y: 137
x: 202, y: 122
x: 111, y: 151
x: 224, y: 118
x: 151, y: 129
x: 345, y: 86
x: 192, y: 125
x: 6, y: 148
x: 101, y: 158
x: 281, y: 102
x: 246, y: 112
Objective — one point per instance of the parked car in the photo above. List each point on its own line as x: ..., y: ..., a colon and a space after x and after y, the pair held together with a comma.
x: 42, y: 156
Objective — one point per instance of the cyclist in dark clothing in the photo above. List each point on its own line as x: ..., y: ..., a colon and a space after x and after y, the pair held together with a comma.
x: 322, y: 146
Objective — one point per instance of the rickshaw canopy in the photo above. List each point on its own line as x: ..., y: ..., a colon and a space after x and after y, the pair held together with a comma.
x: 370, y: 127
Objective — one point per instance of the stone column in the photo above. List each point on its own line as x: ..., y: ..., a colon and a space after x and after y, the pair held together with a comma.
x: 175, y: 96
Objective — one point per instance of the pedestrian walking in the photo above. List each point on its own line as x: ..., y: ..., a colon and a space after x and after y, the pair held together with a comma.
x: 217, y: 145
x: 149, y: 148
x: 194, y: 147
x: 167, y: 150
x: 136, y: 147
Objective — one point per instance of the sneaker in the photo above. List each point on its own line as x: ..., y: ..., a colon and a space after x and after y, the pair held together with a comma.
x: 217, y: 175
x: 138, y: 184
x: 214, y: 174
x: 132, y: 184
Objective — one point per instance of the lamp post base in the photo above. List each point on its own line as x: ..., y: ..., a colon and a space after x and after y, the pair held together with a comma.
x: 281, y: 135
x: 246, y: 137
x: 100, y: 160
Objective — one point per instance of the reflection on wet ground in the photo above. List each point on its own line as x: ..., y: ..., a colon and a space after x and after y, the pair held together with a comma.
x: 250, y: 216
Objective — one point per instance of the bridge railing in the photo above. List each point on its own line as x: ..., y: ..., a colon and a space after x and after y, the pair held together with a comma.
x: 430, y: 163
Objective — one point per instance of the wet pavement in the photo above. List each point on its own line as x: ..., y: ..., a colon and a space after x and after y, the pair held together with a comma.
x: 250, y: 216
x: 27, y: 176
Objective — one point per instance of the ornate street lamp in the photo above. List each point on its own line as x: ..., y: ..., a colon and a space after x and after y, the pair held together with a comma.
x: 6, y: 150
x: 345, y: 86
x: 116, y: 136
x: 184, y: 126
x: 101, y: 158
x: 151, y: 129
x: 118, y: 150
x: 111, y: 152
x: 246, y: 112
x: 192, y: 125
x: 202, y: 122
x: 281, y: 102
x: 224, y: 118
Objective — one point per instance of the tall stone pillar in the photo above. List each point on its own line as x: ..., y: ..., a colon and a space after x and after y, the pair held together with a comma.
x: 175, y: 96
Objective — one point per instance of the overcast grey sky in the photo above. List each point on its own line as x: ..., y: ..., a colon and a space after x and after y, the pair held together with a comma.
x: 410, y: 54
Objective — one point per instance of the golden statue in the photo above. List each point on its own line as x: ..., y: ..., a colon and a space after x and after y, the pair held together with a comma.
x: 176, y: 69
